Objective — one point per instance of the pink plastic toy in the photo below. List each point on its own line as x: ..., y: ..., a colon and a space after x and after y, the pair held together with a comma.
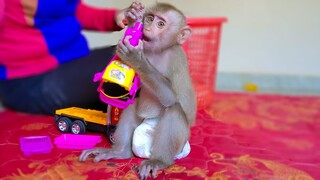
x: 76, y: 141
x: 35, y: 145
x: 116, y: 75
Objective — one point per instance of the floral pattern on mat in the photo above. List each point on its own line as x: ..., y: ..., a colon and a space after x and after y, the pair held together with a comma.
x: 240, y: 136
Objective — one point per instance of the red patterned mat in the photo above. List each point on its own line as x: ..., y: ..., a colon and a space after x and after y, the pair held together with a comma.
x: 241, y: 136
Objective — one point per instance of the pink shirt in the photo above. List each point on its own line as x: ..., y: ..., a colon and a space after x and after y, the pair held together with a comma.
x: 36, y: 36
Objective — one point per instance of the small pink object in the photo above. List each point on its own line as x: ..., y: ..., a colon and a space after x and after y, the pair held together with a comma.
x: 35, y: 145
x: 76, y: 141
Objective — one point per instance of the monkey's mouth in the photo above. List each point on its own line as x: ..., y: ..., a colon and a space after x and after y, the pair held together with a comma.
x: 145, y: 38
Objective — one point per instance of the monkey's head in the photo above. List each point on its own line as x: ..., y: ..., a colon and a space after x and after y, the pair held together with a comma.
x: 164, y: 27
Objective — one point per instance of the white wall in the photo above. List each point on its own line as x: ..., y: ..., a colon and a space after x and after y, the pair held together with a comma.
x: 260, y: 37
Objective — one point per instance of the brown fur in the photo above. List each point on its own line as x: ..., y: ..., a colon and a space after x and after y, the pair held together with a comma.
x: 166, y: 94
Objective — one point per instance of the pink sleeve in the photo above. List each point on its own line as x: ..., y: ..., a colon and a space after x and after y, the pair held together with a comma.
x: 1, y: 10
x: 92, y: 18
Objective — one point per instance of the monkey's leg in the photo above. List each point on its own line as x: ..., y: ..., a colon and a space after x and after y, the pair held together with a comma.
x: 123, y: 137
x: 129, y: 121
x: 171, y: 134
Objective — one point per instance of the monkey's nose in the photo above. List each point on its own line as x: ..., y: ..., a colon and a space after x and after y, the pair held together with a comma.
x: 147, y: 28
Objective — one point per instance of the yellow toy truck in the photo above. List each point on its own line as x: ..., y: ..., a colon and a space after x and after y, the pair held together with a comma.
x: 77, y: 120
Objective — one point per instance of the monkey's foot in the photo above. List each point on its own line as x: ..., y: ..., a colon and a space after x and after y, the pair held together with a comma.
x: 150, y: 166
x: 103, y: 154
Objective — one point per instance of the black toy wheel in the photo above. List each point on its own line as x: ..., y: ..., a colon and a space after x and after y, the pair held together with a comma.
x: 78, y: 127
x: 64, y: 124
x: 110, y: 133
x: 56, y: 118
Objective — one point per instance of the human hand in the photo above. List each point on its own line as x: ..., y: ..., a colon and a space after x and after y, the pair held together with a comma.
x: 130, y: 15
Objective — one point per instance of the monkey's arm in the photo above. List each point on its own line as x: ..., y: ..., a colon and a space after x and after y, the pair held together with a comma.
x: 152, y: 79
x: 156, y: 83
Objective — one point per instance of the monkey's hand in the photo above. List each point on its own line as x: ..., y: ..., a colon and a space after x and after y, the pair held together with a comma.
x: 131, y: 55
x: 152, y: 79
x: 152, y: 166
x: 134, y: 13
x: 102, y: 154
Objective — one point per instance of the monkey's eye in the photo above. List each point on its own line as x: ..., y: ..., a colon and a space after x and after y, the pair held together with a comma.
x: 161, y: 24
x: 148, y: 19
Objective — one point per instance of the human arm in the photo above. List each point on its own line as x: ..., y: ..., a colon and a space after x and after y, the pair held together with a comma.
x: 100, y: 19
x: 2, y: 4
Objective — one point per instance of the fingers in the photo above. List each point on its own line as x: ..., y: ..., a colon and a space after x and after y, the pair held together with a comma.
x: 122, y: 23
x: 126, y: 41
x: 131, y: 46
x: 120, y: 18
x: 121, y: 50
x: 144, y: 171
x: 128, y: 53
x: 125, y: 45
x: 99, y: 153
x: 155, y: 172
x: 147, y: 167
x: 138, y: 5
x: 131, y: 14
x: 85, y: 155
x: 135, y: 11
x: 100, y: 157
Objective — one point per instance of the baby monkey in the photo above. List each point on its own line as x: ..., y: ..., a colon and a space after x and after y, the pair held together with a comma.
x: 167, y: 93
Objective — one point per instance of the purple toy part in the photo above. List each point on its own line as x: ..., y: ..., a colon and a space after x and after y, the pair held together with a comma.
x: 31, y: 145
x: 76, y: 141
x: 122, y: 104
x: 136, y: 34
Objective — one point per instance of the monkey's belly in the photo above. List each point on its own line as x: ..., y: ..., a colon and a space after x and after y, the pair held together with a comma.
x: 148, y: 108
x: 146, y: 112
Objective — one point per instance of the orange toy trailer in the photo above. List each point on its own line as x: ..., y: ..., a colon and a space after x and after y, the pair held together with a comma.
x: 78, y: 120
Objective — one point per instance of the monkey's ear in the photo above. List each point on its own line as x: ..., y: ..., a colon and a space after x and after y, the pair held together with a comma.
x: 184, y: 34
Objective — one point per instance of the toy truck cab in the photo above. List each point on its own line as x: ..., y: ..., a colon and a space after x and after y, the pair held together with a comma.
x: 78, y: 120
x: 118, y: 84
